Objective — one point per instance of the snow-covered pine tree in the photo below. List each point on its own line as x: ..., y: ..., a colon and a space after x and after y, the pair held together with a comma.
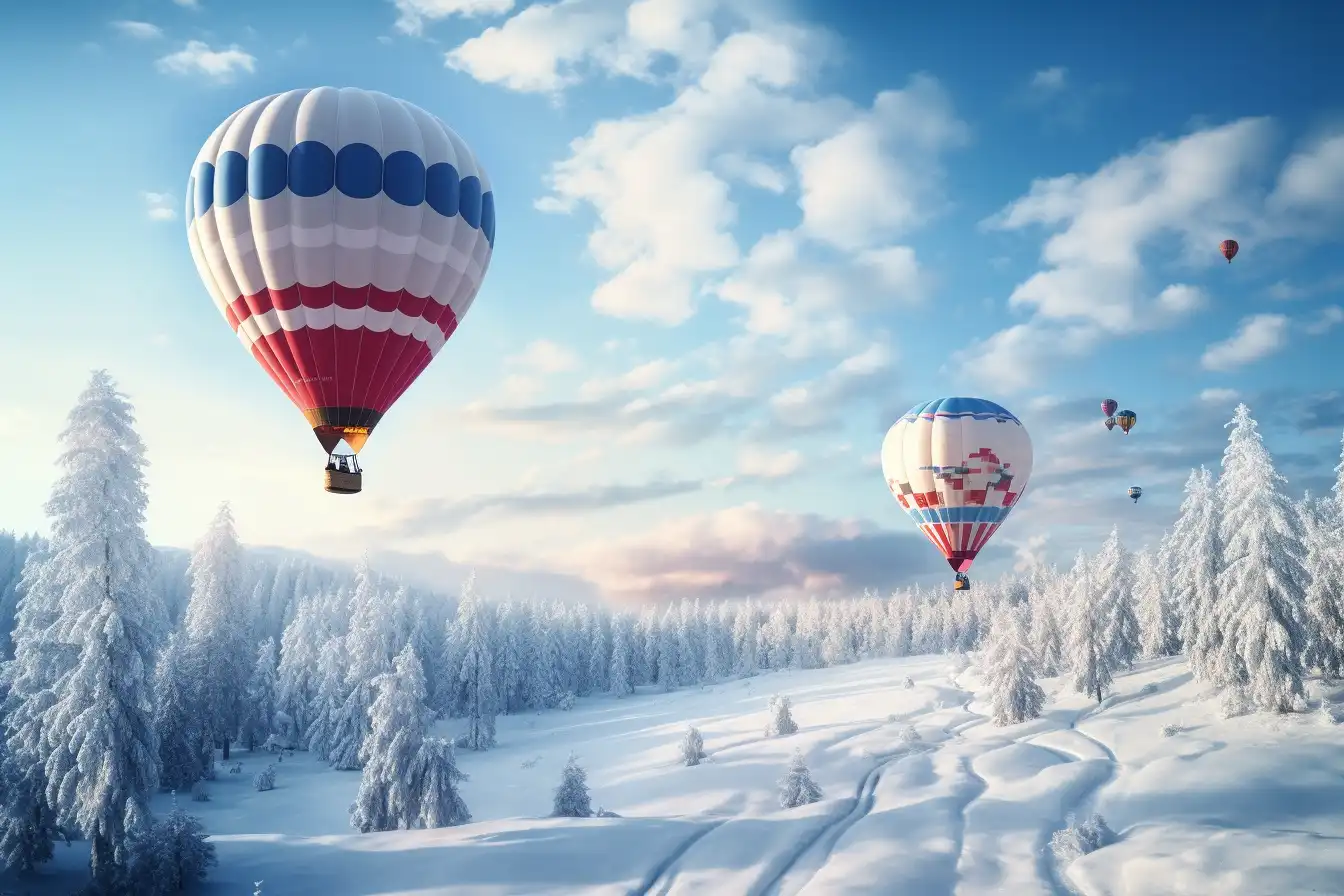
x: 1090, y: 662
x: 509, y: 660
x: 651, y: 640
x: 543, y: 683
x: 296, y: 677
x: 369, y: 647
x: 176, y: 723
x: 797, y: 788
x: 744, y: 638
x: 329, y: 701
x: 599, y: 652
x: 779, y: 717
x: 571, y: 797
x: 1264, y: 573
x: 171, y: 857
x: 1153, y: 606
x: 692, y: 746
x: 1114, y: 582
x: 1047, y: 636
x: 1196, y: 540
x: 621, y: 675
x: 217, y: 630
x: 668, y: 665
x: 435, y: 776
x: 259, y: 698
x: 397, y: 725
x: 1014, y: 693
x: 27, y: 828
x: 476, y: 697
x: 96, y: 735
x: 1324, y: 524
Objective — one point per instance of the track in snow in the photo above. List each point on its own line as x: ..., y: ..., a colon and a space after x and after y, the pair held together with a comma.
x: 659, y: 880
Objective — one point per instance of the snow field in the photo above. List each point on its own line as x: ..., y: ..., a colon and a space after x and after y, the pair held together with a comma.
x: 1250, y: 805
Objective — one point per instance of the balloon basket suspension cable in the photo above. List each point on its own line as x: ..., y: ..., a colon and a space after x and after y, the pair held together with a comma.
x: 343, y: 475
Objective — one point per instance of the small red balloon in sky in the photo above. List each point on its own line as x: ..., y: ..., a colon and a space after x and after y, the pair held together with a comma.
x: 1229, y: 249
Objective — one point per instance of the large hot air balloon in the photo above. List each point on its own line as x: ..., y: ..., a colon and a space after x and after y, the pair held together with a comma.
x: 957, y: 466
x: 1108, y: 407
x: 1135, y: 492
x: 343, y: 234
x: 1126, y: 420
x: 1229, y: 249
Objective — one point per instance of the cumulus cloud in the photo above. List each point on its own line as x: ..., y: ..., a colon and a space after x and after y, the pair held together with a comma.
x: 545, y: 357
x: 1049, y: 80
x: 1326, y: 319
x: 1257, y: 336
x: 159, y: 206
x: 750, y: 550
x: 754, y: 463
x: 220, y: 66
x: 1312, y: 180
x: 413, y: 14
x: 1219, y: 396
x: 138, y: 30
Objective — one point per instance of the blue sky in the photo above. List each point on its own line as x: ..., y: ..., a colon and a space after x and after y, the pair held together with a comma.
x: 735, y: 242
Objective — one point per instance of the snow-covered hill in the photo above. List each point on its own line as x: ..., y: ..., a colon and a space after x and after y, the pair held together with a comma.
x: 1199, y: 803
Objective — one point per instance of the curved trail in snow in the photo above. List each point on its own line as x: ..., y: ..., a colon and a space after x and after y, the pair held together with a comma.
x: 659, y: 880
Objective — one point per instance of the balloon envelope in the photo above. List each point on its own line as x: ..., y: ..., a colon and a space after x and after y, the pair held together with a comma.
x: 957, y: 466
x: 1126, y: 420
x: 1109, y: 423
x: 1108, y: 407
x: 1229, y: 249
x: 343, y: 234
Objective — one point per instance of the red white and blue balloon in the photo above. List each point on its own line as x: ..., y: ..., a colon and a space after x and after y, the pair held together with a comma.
x: 343, y: 234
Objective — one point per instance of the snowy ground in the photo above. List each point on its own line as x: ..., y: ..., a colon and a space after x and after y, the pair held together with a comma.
x: 1253, y: 805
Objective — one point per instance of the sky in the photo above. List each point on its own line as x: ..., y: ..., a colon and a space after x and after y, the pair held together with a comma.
x: 735, y: 242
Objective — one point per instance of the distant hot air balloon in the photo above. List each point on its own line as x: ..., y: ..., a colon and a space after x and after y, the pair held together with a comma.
x: 1135, y: 492
x: 1109, y: 423
x: 343, y: 234
x: 1126, y: 420
x: 957, y: 466
x: 1229, y: 249
x: 1108, y: 407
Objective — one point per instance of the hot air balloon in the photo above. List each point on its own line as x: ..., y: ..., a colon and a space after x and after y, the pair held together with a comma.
x: 1108, y: 407
x: 1109, y: 423
x: 1229, y: 249
x: 1126, y: 420
x: 1136, y: 493
x: 343, y: 234
x: 957, y: 466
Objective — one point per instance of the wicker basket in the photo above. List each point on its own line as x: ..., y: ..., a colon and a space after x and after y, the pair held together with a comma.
x: 340, y: 483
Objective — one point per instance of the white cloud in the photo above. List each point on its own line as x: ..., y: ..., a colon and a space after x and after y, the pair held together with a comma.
x: 188, y: 4
x: 1179, y: 300
x: 1326, y: 320
x: 754, y: 172
x: 1017, y: 358
x: 196, y: 58
x: 758, y: 464
x: 1258, y: 336
x: 817, y: 403
x: 1312, y: 180
x: 545, y: 357
x: 138, y: 30
x: 160, y: 206
x: 640, y: 378
x: 1049, y: 80
x: 412, y: 14
x: 879, y: 175
x: 544, y: 48
x: 1219, y: 396
x: 1283, y: 291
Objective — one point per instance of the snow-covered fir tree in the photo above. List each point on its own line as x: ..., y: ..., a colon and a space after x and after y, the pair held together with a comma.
x: 797, y: 788
x: 621, y: 676
x: 475, y: 694
x: 217, y: 630
x: 1324, y: 529
x: 571, y: 797
x: 1091, y: 664
x: 368, y: 648
x: 1158, y: 632
x: 1014, y: 694
x: 172, y: 856
x: 668, y: 671
x: 1196, y: 539
x: 779, y: 717
x: 259, y: 698
x: 176, y: 722
x: 296, y: 677
x: 1263, y: 613
x: 329, y: 703
x: 435, y: 776
x: 508, y: 663
x: 397, y: 724
x: 744, y: 638
x: 542, y: 684
x: 1113, y: 579
x: 692, y: 746
x: 85, y: 716
x: 1047, y: 636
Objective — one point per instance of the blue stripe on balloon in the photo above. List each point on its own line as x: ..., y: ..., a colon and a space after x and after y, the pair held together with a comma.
x: 312, y: 169
x: 959, y: 514
x: 443, y: 189
x: 404, y: 178
x: 205, y: 187
x: 267, y: 172
x: 959, y: 407
x: 230, y: 178
x: 358, y: 171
